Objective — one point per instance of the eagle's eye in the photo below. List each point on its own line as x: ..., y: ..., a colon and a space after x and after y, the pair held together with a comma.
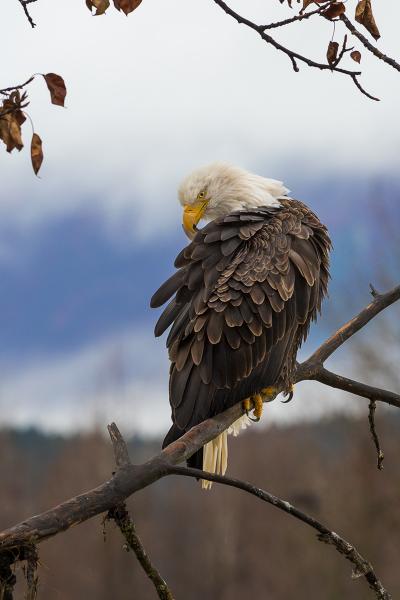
x: 201, y: 195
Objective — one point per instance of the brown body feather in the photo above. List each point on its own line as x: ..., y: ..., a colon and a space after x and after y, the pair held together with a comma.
x: 246, y: 290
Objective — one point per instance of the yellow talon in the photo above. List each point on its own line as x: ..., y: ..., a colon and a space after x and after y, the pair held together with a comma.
x: 246, y: 405
x: 289, y: 394
x: 269, y: 392
x: 258, y: 406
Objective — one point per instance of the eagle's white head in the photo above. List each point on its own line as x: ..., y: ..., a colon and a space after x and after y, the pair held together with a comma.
x: 221, y: 188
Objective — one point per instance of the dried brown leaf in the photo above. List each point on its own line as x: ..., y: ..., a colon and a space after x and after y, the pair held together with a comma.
x: 365, y: 16
x: 57, y: 88
x: 332, y: 52
x: 100, y: 6
x: 356, y: 56
x: 36, y: 153
x: 306, y: 3
x: 127, y: 6
x: 334, y: 10
x: 10, y: 131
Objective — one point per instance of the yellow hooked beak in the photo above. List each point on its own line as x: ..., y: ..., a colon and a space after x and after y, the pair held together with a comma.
x: 192, y: 213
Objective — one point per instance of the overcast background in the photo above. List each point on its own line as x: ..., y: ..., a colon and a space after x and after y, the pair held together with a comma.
x: 175, y: 85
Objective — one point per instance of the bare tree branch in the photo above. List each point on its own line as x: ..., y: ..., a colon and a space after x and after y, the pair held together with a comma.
x: 127, y: 527
x: 7, y: 90
x: 31, y: 573
x: 293, y: 56
x: 373, y: 49
x: 24, y: 4
x: 129, y: 478
x: 300, y: 17
x: 374, y: 434
x: 120, y: 515
x: 355, y: 387
x: 379, y: 303
x: 362, y: 567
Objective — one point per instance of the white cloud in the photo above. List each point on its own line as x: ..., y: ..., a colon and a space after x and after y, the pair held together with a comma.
x: 124, y: 378
x: 177, y: 84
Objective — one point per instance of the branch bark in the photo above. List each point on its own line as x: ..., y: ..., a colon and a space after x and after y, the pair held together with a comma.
x: 367, y: 44
x: 294, y: 57
x: 362, y: 567
x: 120, y: 515
x: 130, y: 478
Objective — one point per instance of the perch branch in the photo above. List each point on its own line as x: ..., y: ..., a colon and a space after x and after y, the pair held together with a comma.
x: 130, y: 478
x: 379, y: 303
x: 120, y: 515
x: 362, y: 567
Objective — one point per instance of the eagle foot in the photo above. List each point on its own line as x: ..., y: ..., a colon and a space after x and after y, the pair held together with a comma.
x: 289, y: 395
x: 269, y: 393
x: 254, y: 403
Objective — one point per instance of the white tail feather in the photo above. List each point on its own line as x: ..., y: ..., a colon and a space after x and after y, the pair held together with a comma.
x: 215, y: 453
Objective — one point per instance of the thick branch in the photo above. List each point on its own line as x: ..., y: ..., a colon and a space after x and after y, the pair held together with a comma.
x: 129, y: 478
x: 379, y: 303
x: 362, y: 567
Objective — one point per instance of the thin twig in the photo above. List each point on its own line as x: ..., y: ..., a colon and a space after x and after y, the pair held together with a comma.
x: 125, y: 523
x: 24, y: 4
x: 12, y: 88
x: 373, y: 49
x: 374, y: 435
x: 120, y: 515
x: 300, y: 17
x: 362, y: 567
x: 32, y: 579
x: 343, y: 51
x: 293, y: 56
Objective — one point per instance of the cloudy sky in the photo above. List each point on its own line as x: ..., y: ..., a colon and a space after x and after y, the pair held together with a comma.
x: 174, y: 85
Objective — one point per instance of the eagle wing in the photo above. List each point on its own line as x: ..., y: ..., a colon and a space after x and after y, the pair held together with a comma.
x: 244, y: 294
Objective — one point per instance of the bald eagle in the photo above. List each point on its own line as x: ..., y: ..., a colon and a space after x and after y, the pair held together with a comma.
x: 244, y: 294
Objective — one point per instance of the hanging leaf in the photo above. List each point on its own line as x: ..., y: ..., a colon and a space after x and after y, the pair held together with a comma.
x: 365, y: 16
x: 356, y: 56
x: 332, y: 52
x: 127, y: 6
x: 36, y: 153
x: 57, y: 88
x: 100, y: 6
x: 334, y: 10
x: 10, y: 125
